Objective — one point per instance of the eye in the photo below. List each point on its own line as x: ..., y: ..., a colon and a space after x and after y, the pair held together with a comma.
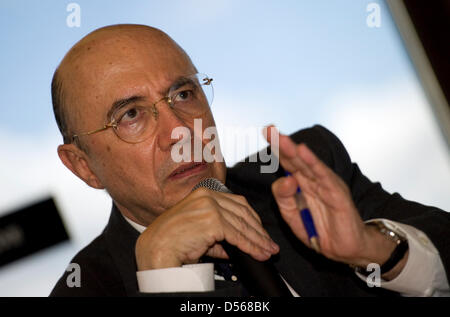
x: 184, y: 95
x: 130, y: 115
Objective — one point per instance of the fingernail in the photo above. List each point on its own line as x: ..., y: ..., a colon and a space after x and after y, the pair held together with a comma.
x: 275, y: 247
x: 289, y: 174
x: 267, y: 127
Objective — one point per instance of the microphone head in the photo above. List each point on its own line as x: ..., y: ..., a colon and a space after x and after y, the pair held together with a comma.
x: 212, y: 184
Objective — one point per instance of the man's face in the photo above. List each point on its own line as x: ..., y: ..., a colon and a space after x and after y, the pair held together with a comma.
x: 139, y: 177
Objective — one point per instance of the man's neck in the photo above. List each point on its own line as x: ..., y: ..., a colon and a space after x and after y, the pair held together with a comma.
x: 134, y: 216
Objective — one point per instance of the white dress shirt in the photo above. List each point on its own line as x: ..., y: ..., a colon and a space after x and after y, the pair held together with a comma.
x: 423, y: 274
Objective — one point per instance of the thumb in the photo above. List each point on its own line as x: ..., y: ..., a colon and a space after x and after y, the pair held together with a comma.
x: 284, y: 190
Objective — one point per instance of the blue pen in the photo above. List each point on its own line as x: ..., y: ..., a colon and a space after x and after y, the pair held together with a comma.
x: 308, y: 222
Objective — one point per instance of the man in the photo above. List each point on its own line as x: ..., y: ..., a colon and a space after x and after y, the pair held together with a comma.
x: 119, y: 94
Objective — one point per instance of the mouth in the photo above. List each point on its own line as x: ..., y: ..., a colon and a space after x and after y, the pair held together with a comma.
x: 188, y: 169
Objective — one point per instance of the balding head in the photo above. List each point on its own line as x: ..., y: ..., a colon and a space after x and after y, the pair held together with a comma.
x: 98, y: 52
x: 129, y: 67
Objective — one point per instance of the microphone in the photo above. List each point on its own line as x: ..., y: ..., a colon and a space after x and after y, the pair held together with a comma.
x: 259, y: 278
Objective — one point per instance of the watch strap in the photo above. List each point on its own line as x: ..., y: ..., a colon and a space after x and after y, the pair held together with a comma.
x: 396, y: 255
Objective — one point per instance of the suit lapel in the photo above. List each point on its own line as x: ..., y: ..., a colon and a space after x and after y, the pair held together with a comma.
x: 121, y: 238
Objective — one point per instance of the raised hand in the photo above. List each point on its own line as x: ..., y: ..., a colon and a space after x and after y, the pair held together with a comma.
x: 343, y: 236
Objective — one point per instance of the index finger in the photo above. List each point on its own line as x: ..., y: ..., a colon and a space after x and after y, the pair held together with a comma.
x: 283, y: 146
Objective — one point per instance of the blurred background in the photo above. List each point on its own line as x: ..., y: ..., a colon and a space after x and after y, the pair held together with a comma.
x: 290, y: 63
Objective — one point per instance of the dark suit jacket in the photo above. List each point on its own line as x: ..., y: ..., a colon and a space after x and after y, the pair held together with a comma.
x: 108, y: 266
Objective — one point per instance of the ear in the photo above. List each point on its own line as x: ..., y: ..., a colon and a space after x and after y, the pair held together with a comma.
x: 76, y: 160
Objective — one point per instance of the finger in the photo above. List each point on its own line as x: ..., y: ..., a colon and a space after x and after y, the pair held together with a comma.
x: 296, y: 219
x: 285, y: 191
x: 219, y: 196
x: 217, y: 251
x: 250, y: 232
x: 238, y: 214
x: 325, y: 184
x: 240, y: 200
x: 313, y: 190
x: 275, y: 139
x: 239, y: 205
x: 239, y: 233
x: 287, y: 151
x: 238, y: 239
x: 281, y: 145
x: 319, y: 169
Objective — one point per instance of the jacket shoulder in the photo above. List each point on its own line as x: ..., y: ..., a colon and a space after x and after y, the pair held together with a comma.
x: 90, y: 273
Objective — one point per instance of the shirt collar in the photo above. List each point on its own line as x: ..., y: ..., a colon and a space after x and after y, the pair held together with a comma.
x: 138, y: 227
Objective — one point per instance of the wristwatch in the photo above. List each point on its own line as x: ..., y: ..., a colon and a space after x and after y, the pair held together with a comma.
x: 396, y: 255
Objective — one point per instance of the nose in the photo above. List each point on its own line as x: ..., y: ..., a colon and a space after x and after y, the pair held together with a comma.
x: 167, y: 121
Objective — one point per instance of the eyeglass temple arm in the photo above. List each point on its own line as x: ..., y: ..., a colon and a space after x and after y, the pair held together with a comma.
x: 106, y: 126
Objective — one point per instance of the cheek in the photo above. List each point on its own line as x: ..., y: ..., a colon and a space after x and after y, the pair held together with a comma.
x: 208, y: 119
x: 219, y: 167
x: 137, y: 164
x: 126, y: 165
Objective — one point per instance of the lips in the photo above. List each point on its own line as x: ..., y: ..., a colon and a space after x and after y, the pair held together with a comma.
x: 188, y: 169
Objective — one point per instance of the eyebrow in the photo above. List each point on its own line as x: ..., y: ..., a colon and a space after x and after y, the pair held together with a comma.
x: 120, y: 103
x: 180, y: 82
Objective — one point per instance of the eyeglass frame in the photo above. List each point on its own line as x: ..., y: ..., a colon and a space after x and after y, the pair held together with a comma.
x: 206, y: 81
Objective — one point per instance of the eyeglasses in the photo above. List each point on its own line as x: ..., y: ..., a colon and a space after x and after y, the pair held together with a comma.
x: 133, y: 121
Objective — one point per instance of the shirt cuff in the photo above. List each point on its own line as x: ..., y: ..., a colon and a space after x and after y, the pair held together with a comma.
x: 424, y: 273
x: 188, y: 278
